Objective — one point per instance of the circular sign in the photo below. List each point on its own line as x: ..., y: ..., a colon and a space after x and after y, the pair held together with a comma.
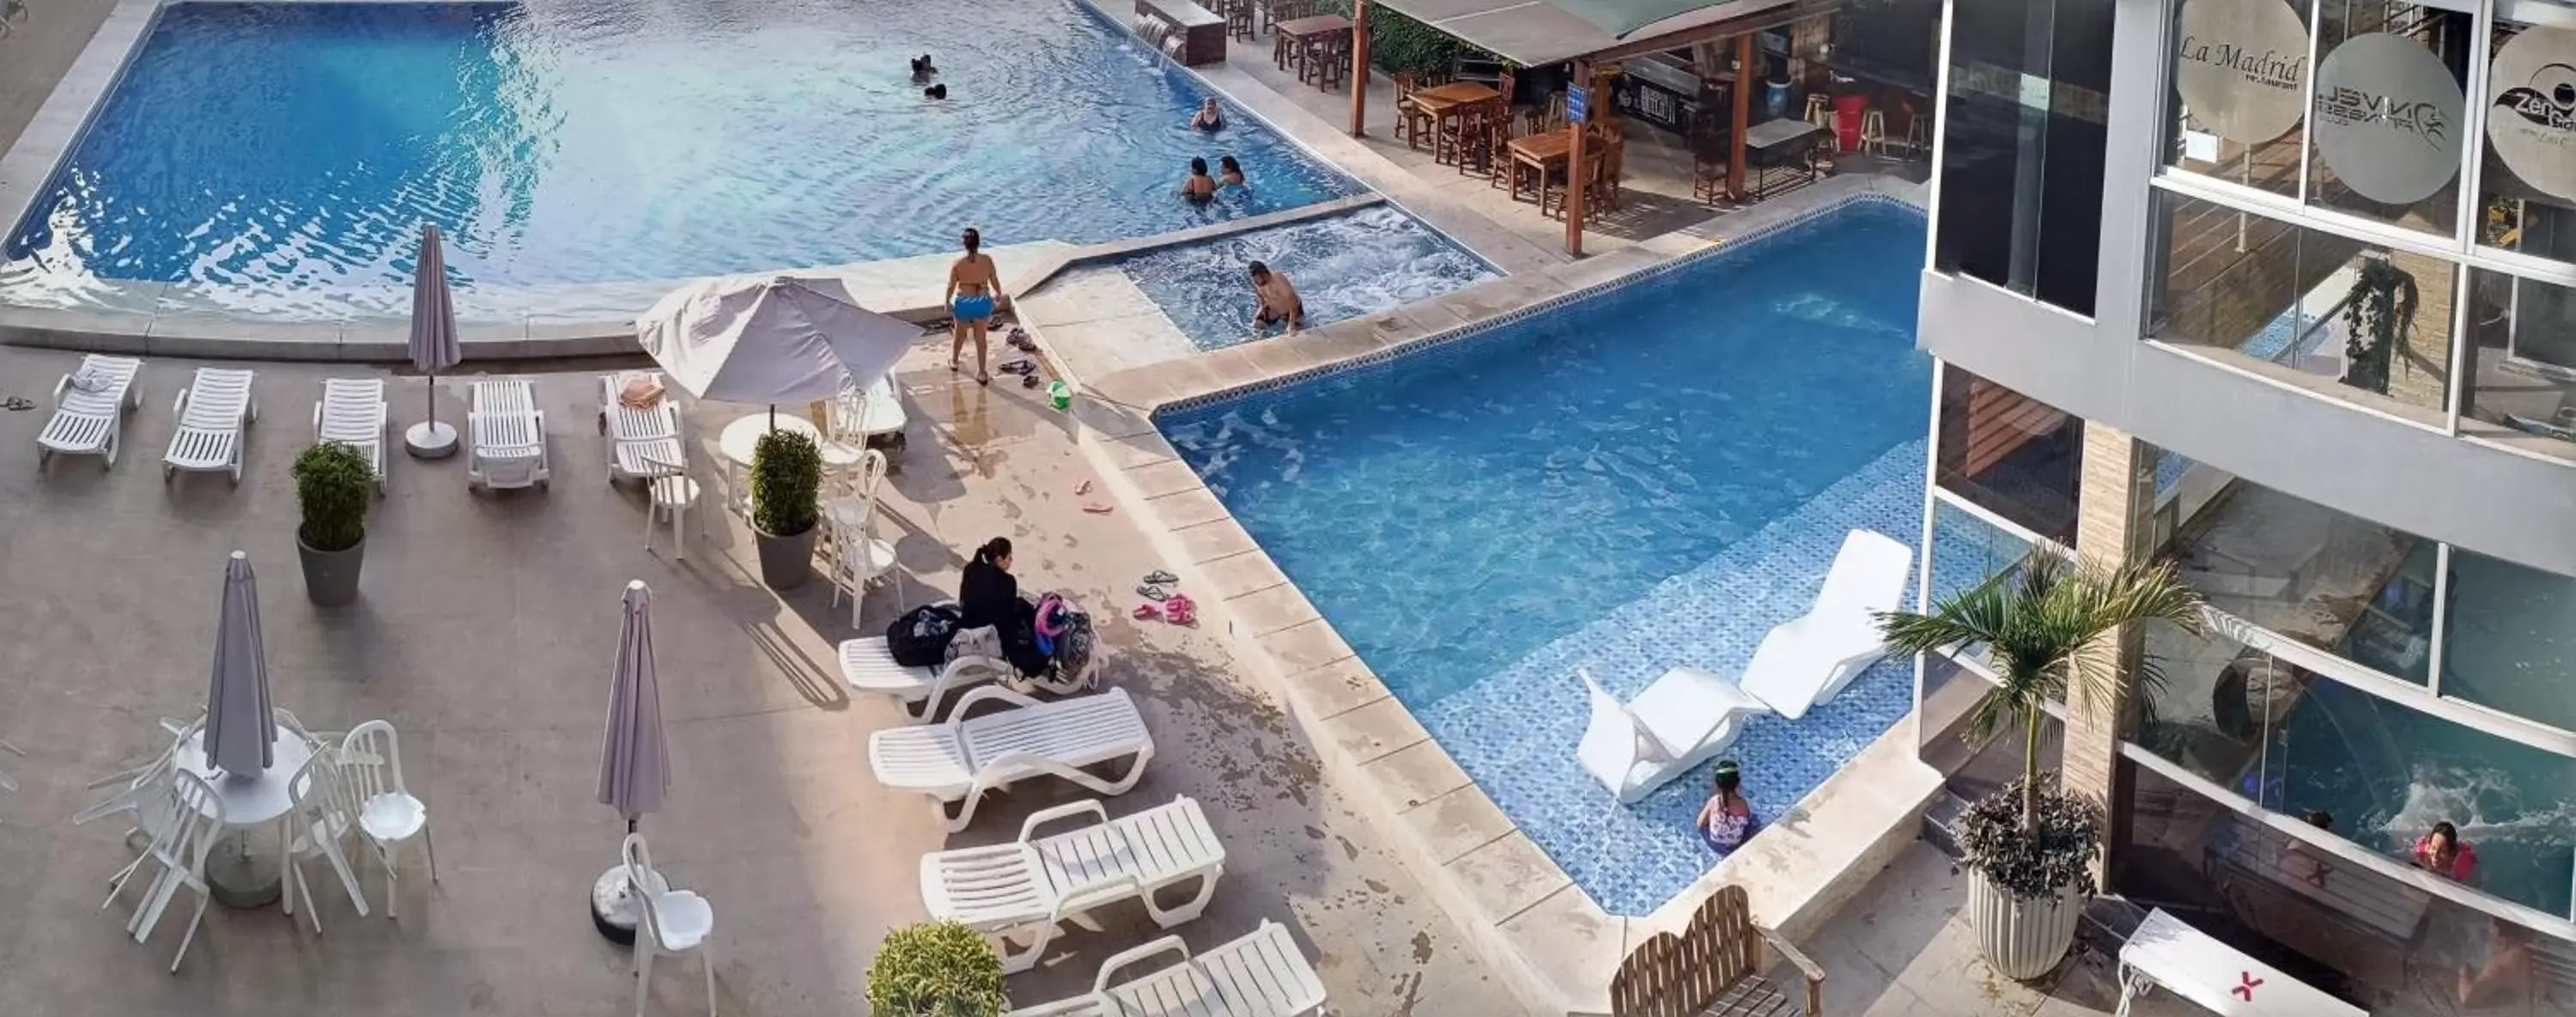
x: 2388, y: 118
x: 2241, y: 66
x: 2531, y: 116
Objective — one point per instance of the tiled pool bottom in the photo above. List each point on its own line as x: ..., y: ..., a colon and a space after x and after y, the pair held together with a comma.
x: 1515, y: 732
x: 1343, y: 266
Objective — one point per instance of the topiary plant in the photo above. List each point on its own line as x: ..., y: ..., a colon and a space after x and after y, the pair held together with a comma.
x: 2378, y: 317
x: 332, y: 484
x: 935, y: 969
x: 786, y: 479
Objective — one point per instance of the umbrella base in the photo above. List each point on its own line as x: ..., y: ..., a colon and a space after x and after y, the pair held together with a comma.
x: 613, y: 909
x: 429, y: 439
x: 241, y: 875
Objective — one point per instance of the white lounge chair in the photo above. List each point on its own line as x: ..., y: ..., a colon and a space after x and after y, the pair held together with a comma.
x: 1262, y: 974
x: 213, y: 410
x: 1028, y: 888
x: 642, y: 443
x: 509, y: 435
x: 352, y: 413
x: 869, y: 667
x: 1684, y: 719
x: 1811, y: 658
x: 957, y: 760
x: 90, y: 421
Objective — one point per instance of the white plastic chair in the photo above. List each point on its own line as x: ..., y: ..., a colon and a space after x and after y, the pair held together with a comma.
x: 508, y: 435
x: 863, y: 415
x: 181, y: 852
x: 1685, y: 718
x: 352, y: 413
x: 321, y: 819
x: 92, y: 421
x: 1261, y: 974
x: 672, y: 921
x: 213, y: 411
x: 958, y: 760
x: 1811, y: 658
x: 388, y: 815
x: 1029, y: 888
x: 669, y: 495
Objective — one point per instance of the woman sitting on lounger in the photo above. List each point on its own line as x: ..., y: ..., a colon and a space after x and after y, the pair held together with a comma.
x: 988, y: 596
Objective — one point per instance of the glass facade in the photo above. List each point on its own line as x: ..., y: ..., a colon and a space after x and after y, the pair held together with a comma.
x: 2009, y: 454
x: 2022, y: 146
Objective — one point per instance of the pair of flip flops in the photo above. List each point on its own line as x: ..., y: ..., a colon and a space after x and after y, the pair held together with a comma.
x: 1019, y: 340
x: 1176, y: 609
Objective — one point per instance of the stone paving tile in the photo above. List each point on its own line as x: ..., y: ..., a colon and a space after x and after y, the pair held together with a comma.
x: 484, y: 633
x: 1458, y: 822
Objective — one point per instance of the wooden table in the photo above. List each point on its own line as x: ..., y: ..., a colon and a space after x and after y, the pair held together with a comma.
x: 1447, y: 101
x: 1541, y: 152
x: 1298, y: 44
x: 1765, y: 143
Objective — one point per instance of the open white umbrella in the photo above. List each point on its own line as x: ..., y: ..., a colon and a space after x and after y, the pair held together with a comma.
x: 433, y: 344
x: 241, y: 729
x: 770, y: 339
x: 634, y: 759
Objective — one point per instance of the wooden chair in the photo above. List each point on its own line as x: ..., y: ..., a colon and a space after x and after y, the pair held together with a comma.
x: 1239, y: 16
x: 1412, y: 125
x: 1714, y: 966
x: 1472, y: 141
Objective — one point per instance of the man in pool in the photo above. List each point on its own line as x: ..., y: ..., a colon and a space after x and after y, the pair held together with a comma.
x: 1199, y: 186
x: 973, y: 284
x: 1279, y: 301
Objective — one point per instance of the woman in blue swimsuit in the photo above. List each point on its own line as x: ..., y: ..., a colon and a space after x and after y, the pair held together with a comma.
x: 973, y: 282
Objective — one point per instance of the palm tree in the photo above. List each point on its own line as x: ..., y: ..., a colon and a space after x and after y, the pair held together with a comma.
x: 2043, y: 635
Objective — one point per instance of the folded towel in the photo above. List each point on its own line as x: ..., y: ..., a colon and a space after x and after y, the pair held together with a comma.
x: 641, y: 392
x: 91, y: 379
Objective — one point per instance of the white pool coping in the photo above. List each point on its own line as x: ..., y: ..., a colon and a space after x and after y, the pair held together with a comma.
x: 1556, y: 946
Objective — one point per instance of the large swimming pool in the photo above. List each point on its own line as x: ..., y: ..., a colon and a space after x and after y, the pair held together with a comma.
x: 1650, y: 477
x: 282, y: 151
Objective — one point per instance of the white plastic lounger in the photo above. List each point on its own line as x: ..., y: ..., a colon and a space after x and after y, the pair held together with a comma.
x: 1028, y: 888
x: 90, y: 421
x: 1811, y: 658
x: 642, y: 443
x: 509, y: 435
x: 1684, y: 719
x: 352, y: 413
x: 1262, y: 974
x: 957, y: 760
x: 869, y: 667
x: 213, y: 410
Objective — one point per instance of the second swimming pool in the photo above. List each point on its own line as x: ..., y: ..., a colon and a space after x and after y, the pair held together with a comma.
x: 1649, y: 477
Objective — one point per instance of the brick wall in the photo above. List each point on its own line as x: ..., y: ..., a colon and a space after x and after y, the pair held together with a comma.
x: 2113, y: 526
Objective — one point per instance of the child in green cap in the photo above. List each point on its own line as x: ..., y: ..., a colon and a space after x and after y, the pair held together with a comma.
x: 1727, y: 820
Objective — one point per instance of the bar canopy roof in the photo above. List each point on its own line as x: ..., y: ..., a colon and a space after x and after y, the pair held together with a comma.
x: 1535, y: 33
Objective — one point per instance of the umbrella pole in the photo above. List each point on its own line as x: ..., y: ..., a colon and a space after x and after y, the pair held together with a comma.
x: 429, y: 398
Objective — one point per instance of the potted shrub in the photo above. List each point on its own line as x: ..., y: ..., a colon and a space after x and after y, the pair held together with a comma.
x: 786, y: 481
x: 2378, y: 317
x: 2029, y: 846
x: 333, y: 485
x: 935, y: 969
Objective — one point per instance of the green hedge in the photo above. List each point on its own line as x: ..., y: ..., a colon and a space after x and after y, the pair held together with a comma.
x: 1399, y: 43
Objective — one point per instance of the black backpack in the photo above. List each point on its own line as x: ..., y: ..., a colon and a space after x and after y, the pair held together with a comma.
x: 920, y: 638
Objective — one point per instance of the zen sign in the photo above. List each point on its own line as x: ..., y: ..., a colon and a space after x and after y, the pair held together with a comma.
x: 2531, y: 115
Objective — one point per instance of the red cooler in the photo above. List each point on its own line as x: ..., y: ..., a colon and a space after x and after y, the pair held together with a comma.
x: 1847, y: 111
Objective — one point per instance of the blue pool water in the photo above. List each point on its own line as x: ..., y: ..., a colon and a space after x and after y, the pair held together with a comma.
x: 1343, y: 266
x: 289, y: 148
x: 1651, y: 477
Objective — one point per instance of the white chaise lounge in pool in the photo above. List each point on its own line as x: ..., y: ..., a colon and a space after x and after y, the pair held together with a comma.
x: 1029, y: 888
x: 1688, y: 715
x: 1262, y: 974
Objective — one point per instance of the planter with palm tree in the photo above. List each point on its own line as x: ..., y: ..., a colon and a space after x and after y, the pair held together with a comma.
x: 2030, y: 845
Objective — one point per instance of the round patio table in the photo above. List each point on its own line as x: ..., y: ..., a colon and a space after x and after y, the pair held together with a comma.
x: 742, y: 436
x: 239, y: 878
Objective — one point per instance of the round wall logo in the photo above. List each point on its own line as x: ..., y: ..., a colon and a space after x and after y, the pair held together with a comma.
x: 2531, y: 113
x: 2388, y: 118
x: 2240, y: 67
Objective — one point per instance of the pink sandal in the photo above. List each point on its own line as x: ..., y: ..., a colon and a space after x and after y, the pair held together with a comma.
x: 1146, y: 612
x: 1180, y: 611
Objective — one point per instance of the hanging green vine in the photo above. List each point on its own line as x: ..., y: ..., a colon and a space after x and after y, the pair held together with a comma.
x: 2378, y: 316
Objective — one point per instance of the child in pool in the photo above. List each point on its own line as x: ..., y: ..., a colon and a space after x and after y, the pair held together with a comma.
x: 1726, y: 822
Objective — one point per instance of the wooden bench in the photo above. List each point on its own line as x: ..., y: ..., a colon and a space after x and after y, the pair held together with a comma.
x: 1713, y: 967
x: 1201, y: 31
x: 2165, y: 953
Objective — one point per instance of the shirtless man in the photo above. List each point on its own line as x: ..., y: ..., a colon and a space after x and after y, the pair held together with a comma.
x: 974, y: 282
x: 1199, y: 186
x: 1279, y: 300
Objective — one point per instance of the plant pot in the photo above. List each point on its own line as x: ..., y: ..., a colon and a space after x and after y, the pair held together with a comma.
x: 331, y: 577
x: 2021, y: 939
x: 785, y: 562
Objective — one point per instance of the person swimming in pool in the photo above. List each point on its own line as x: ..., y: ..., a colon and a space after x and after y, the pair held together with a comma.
x: 1279, y: 300
x: 922, y: 69
x: 1229, y: 173
x: 938, y: 91
x: 1726, y: 822
x: 1199, y: 186
x: 973, y: 284
x: 1209, y: 118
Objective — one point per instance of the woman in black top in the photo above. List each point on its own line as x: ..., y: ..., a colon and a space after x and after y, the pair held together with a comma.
x: 988, y: 595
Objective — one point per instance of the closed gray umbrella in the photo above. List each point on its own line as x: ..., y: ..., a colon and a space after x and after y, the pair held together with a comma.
x: 241, y: 730
x: 634, y: 761
x: 433, y: 343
